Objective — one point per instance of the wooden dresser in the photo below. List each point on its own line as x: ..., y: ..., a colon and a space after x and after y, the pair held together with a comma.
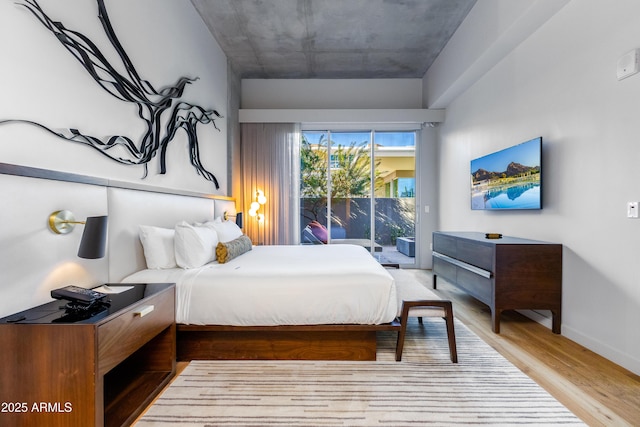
x: 100, y: 371
x: 507, y: 273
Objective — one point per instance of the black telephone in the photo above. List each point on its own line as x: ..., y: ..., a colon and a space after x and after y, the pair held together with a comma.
x: 78, y: 295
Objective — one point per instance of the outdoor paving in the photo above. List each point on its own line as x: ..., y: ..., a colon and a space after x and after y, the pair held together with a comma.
x: 390, y: 255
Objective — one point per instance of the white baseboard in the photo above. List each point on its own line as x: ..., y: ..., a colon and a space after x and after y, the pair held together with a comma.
x: 625, y: 360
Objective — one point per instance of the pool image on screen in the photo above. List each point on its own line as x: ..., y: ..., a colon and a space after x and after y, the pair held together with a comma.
x: 508, y: 179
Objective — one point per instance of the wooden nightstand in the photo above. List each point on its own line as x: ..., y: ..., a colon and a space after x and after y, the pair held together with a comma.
x: 101, y: 371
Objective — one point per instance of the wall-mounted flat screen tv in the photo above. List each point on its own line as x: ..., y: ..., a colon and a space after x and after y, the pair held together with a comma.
x: 509, y: 178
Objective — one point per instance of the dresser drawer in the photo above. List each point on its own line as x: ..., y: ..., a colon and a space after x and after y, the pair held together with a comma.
x: 123, y: 335
x: 470, y: 251
x: 475, y: 285
x: 475, y: 253
x: 444, y: 269
x: 445, y: 245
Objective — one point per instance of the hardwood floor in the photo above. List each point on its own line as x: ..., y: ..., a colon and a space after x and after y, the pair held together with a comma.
x: 598, y: 391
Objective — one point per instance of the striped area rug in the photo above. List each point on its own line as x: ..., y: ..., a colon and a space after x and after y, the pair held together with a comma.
x: 425, y: 389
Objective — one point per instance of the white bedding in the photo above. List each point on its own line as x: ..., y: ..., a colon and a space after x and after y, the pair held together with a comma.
x: 283, y: 285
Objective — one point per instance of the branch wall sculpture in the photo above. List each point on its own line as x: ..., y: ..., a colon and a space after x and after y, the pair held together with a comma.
x: 152, y: 105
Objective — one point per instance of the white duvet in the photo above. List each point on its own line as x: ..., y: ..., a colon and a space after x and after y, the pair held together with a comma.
x: 283, y: 285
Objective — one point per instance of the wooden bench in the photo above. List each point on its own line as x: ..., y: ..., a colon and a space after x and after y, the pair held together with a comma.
x: 415, y: 300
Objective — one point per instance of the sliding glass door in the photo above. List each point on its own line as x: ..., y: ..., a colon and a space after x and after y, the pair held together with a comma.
x: 345, y: 176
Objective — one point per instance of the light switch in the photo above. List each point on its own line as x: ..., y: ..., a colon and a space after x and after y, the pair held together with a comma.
x: 632, y: 210
x: 628, y: 64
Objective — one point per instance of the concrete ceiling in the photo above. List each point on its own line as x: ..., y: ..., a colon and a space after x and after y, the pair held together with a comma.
x: 279, y: 39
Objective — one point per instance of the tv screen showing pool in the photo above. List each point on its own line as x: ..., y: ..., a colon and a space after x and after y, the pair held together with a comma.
x: 509, y: 178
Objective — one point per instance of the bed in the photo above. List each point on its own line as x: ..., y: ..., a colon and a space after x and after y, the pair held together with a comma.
x: 283, y: 285
x: 272, y: 302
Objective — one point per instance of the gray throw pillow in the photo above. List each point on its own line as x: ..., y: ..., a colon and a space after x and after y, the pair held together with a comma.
x: 227, y: 251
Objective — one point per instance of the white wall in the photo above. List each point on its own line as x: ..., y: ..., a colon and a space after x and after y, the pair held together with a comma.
x: 40, y: 81
x: 490, y: 31
x: 331, y: 94
x: 427, y: 197
x: 560, y: 83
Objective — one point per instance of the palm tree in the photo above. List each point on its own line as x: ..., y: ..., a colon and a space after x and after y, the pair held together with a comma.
x: 350, y: 173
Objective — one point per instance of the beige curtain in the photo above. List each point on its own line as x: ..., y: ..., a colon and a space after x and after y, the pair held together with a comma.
x: 270, y: 162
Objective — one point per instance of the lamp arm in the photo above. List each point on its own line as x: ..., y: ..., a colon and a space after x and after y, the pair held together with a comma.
x: 62, y: 222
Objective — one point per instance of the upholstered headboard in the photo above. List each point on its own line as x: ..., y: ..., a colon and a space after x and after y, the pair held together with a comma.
x: 128, y: 209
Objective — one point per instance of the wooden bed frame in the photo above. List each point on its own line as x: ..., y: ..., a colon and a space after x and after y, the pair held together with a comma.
x: 313, y: 342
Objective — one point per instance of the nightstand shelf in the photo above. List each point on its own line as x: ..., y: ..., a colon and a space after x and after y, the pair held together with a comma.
x: 102, y: 371
x: 133, y: 384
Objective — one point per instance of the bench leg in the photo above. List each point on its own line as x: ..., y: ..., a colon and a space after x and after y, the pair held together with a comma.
x: 451, y: 334
x: 400, y: 343
x: 448, y: 317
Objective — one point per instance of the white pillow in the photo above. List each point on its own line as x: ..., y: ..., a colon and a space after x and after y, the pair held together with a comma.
x: 158, y: 246
x: 195, y: 245
x: 227, y: 230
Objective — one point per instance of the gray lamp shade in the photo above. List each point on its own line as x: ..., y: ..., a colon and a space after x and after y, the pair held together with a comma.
x: 94, y: 238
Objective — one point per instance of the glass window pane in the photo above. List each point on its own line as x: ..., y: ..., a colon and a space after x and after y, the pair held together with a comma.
x: 313, y: 187
x: 395, y: 192
x: 350, y: 183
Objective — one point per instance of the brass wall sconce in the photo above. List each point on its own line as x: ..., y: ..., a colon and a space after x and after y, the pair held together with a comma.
x: 62, y: 222
x: 238, y: 217
x: 94, y: 236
